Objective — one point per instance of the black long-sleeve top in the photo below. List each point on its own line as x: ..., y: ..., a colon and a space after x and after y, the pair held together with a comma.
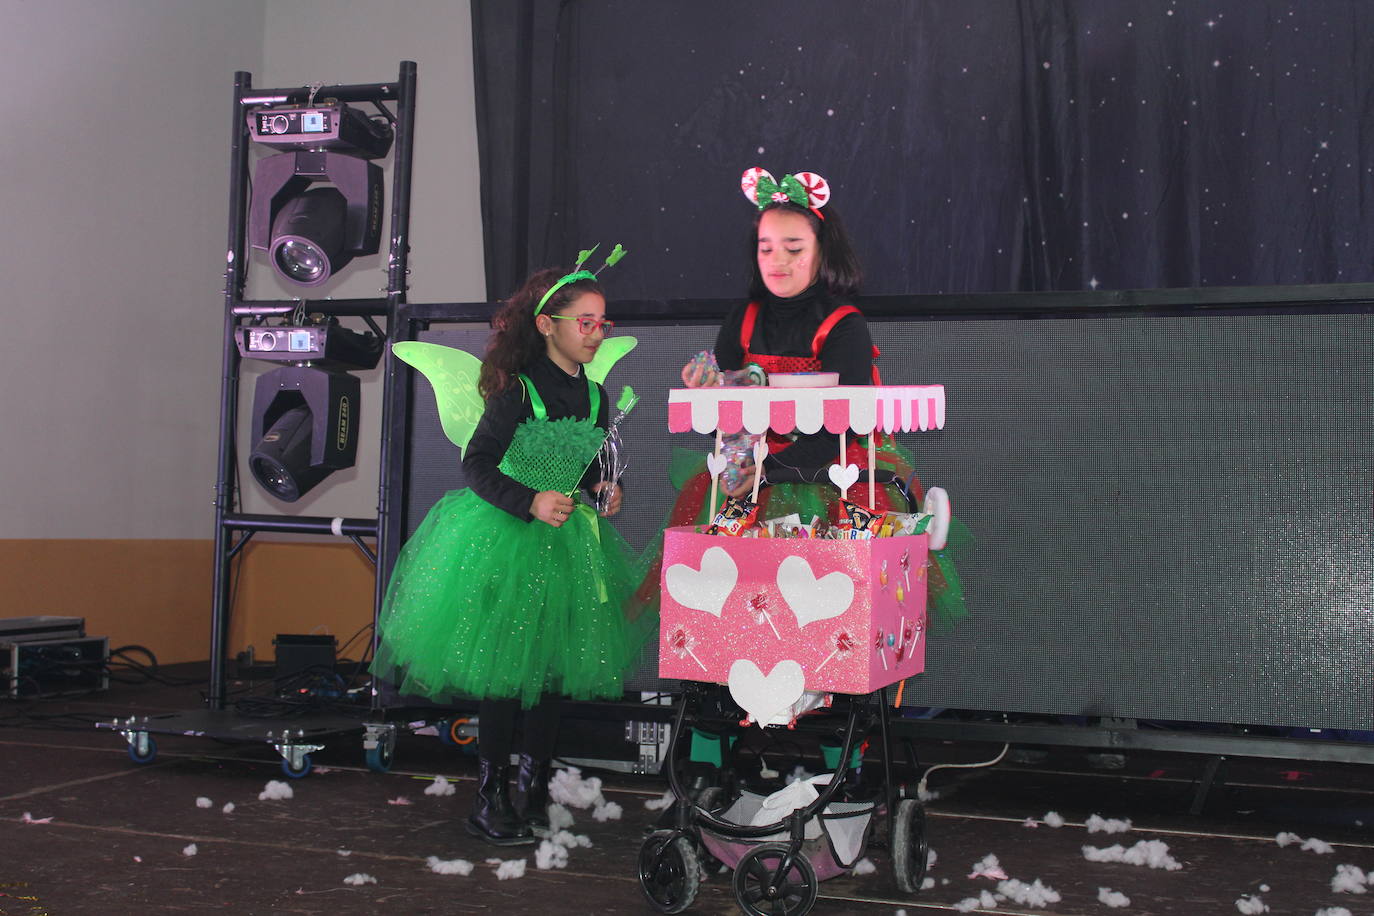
x: 563, y: 395
x: 785, y: 327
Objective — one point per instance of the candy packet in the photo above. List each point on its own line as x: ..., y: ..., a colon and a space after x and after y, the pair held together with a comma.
x: 791, y: 526
x: 737, y: 514
x: 909, y: 522
x: 860, y: 521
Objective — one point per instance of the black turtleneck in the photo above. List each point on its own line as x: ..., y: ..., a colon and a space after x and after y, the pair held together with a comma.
x: 785, y: 327
x: 563, y: 395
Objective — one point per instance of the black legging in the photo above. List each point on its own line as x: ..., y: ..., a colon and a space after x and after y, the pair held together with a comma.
x: 496, y: 721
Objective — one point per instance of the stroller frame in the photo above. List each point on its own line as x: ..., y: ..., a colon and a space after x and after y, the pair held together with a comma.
x: 774, y: 878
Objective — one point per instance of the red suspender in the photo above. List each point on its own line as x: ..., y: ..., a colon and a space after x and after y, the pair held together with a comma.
x: 828, y: 324
x: 746, y: 327
x: 751, y: 314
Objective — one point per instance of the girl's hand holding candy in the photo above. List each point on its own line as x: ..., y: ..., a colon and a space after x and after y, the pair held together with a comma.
x: 701, y: 371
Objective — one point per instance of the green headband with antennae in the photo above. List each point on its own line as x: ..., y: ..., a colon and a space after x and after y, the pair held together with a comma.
x: 579, y: 274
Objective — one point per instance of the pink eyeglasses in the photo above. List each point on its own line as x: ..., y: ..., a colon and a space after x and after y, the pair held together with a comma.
x: 587, y: 325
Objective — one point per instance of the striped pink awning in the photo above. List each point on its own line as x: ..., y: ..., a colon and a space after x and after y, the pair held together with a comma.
x: 854, y: 408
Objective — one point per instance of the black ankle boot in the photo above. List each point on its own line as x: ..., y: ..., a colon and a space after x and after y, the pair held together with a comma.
x: 493, y: 818
x: 532, y: 793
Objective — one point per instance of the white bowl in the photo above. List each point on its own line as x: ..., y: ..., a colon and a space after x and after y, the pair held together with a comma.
x: 803, y: 379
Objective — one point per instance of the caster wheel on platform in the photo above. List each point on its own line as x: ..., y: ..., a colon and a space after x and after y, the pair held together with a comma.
x: 759, y: 890
x: 669, y: 872
x: 143, y: 749
x: 910, y: 846
x: 451, y: 733
x: 379, y: 758
x: 297, y: 772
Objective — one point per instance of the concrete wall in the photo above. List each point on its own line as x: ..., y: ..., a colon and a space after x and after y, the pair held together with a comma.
x: 115, y: 195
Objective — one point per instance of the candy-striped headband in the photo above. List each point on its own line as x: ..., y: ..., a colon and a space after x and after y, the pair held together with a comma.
x: 805, y: 189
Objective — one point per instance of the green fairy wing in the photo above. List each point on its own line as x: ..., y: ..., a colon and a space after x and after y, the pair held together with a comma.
x: 607, y: 355
x: 453, y: 374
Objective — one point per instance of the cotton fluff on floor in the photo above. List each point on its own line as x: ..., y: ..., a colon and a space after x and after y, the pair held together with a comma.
x: 567, y: 789
x: 440, y: 786
x: 1015, y: 890
x: 276, y: 790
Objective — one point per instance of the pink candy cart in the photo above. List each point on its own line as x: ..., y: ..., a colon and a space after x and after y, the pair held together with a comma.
x: 789, y: 624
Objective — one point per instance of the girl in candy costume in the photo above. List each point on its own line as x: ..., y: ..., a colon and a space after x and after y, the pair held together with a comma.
x: 799, y: 319
x: 511, y: 590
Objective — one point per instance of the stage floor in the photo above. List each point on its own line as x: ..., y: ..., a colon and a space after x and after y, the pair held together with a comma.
x: 119, y: 833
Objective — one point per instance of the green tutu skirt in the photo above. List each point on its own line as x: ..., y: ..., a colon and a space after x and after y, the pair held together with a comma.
x: 484, y: 605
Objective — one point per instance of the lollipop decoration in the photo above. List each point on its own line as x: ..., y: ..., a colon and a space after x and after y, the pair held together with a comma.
x: 844, y: 645
x: 760, y: 605
x: 682, y: 642
x: 880, y: 643
x: 907, y: 631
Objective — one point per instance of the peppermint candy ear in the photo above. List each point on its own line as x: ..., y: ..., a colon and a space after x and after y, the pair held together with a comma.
x: 817, y: 189
x: 749, y: 183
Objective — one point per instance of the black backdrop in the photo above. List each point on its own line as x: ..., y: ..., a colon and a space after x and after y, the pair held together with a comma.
x: 984, y: 145
x: 1173, y: 510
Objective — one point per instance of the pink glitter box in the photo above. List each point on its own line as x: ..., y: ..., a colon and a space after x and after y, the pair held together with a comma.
x: 852, y: 614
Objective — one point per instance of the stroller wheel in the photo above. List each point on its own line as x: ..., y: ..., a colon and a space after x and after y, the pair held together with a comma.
x: 910, y: 846
x: 669, y: 872
x: 760, y: 891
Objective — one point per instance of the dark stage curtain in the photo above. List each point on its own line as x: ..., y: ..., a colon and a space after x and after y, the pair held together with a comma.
x: 977, y: 146
x: 518, y: 117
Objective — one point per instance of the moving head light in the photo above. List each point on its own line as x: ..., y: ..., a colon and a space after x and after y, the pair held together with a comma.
x: 310, y: 233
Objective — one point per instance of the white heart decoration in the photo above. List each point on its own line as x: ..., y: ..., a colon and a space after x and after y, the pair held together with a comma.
x: 716, y: 464
x: 844, y: 477
x: 760, y: 450
x: 813, y: 599
x: 707, y: 588
x: 764, y: 697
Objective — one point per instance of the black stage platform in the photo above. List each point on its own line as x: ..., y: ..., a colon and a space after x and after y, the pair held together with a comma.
x: 119, y: 831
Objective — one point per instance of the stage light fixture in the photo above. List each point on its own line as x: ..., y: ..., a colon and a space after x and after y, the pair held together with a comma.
x: 305, y: 415
x: 305, y: 428
x: 318, y: 205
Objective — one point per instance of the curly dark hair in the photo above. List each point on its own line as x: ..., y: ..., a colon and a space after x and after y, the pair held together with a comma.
x: 840, y: 272
x: 516, y: 342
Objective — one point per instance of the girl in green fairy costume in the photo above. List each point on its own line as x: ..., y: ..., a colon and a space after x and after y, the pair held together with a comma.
x: 511, y: 590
